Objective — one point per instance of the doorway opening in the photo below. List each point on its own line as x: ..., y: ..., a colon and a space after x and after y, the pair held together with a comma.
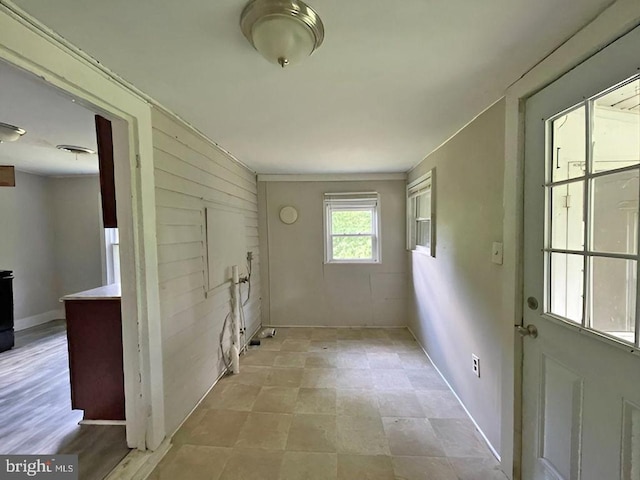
x: 53, y: 240
x: 580, y: 401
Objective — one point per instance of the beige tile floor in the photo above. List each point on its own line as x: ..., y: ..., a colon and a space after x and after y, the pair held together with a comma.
x: 323, y: 404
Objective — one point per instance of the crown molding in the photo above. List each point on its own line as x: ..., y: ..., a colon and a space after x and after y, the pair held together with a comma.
x: 331, y: 177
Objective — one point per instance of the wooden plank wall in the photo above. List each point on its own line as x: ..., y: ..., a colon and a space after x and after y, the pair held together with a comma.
x: 190, y: 172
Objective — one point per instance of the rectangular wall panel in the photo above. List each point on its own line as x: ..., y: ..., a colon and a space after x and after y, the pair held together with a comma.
x: 192, y: 174
x: 631, y: 442
x: 561, y: 420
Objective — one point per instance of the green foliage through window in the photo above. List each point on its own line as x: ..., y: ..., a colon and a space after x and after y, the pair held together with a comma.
x: 352, y: 248
x: 351, y: 221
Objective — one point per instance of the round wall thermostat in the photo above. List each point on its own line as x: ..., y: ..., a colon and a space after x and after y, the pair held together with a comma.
x: 288, y: 215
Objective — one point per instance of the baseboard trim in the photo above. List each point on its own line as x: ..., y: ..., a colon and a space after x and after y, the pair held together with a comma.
x: 35, y: 320
x: 335, y: 326
x: 102, y: 422
x: 138, y: 465
x: 491, y: 447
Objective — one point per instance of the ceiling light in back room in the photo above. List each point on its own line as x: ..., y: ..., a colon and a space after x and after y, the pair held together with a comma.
x: 76, y: 149
x: 282, y: 31
x: 10, y: 133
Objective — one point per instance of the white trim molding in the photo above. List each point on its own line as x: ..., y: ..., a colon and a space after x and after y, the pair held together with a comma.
x: 331, y: 177
x: 40, y: 319
x: 346, y: 202
x: 138, y: 465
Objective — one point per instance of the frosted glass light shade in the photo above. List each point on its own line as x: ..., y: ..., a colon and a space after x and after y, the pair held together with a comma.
x: 283, y: 31
x: 10, y: 133
x: 282, y: 39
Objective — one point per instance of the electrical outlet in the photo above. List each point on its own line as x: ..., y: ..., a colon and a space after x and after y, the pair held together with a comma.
x: 476, y: 365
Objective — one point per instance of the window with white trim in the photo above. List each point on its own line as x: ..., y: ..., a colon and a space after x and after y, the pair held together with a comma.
x: 352, y: 227
x: 420, y: 214
x: 112, y: 244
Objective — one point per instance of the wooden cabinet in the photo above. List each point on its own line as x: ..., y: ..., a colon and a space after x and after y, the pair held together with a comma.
x: 94, y: 333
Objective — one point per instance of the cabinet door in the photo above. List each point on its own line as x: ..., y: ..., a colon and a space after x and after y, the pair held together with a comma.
x: 94, y: 333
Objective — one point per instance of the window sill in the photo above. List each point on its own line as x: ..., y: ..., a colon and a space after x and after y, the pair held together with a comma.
x: 422, y: 251
x: 353, y: 262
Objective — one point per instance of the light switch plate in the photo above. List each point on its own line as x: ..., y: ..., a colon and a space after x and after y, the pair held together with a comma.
x: 496, y: 253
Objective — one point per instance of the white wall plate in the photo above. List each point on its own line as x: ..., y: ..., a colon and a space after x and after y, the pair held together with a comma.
x: 288, y: 215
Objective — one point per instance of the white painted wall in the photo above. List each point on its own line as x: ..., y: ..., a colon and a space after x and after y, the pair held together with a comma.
x: 189, y: 173
x: 75, y: 205
x: 299, y: 289
x: 27, y: 248
x: 50, y: 238
x: 457, y: 296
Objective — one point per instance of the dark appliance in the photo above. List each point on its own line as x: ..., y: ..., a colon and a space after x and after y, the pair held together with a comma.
x: 6, y: 310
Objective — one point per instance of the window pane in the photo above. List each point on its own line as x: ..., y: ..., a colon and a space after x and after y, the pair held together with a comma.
x: 616, y: 128
x: 567, y: 286
x: 567, y: 207
x: 116, y: 263
x: 423, y: 233
x: 614, y: 216
x: 352, y: 248
x: 568, y: 155
x: 614, y: 296
x: 352, y: 221
x: 423, y: 205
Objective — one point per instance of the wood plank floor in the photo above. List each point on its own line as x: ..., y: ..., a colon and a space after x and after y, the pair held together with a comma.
x: 35, y: 405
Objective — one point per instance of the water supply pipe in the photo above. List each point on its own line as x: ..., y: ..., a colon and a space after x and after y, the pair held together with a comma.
x: 235, y: 342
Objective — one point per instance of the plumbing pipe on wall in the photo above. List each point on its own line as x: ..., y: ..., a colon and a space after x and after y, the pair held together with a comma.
x: 235, y: 347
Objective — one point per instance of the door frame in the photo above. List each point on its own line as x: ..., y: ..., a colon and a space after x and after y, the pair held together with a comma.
x: 28, y: 45
x: 614, y: 22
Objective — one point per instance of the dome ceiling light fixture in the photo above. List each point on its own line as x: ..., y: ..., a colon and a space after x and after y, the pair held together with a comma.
x: 76, y: 149
x: 10, y: 133
x: 283, y: 31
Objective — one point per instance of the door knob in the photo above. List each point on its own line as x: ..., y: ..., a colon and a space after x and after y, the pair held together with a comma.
x: 528, y: 331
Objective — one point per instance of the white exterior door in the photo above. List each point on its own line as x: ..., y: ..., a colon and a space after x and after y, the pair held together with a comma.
x: 581, y: 375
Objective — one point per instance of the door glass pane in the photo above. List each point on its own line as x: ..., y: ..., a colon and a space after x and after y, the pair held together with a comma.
x: 352, y: 221
x: 568, y: 154
x: 567, y: 208
x: 613, y: 296
x: 614, y: 213
x: 616, y: 128
x: 567, y: 283
x: 352, y: 248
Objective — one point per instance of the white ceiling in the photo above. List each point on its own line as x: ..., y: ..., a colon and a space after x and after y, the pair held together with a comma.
x: 50, y: 118
x: 392, y: 81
